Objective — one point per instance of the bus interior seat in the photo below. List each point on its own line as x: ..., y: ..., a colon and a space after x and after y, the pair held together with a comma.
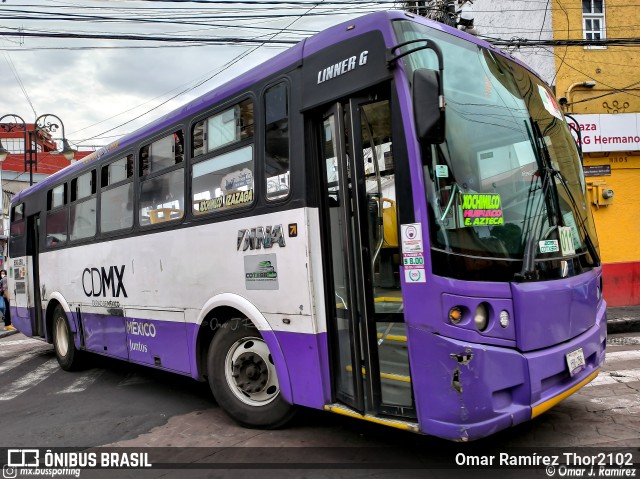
x: 390, y: 223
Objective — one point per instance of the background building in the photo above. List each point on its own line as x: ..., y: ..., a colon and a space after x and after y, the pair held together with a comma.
x: 14, y: 170
x: 509, y: 19
x: 599, y: 83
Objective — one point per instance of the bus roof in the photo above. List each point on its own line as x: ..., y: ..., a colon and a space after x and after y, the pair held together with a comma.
x: 280, y: 62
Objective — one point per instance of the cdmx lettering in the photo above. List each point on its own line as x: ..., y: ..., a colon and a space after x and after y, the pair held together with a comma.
x: 96, y: 282
x: 260, y: 237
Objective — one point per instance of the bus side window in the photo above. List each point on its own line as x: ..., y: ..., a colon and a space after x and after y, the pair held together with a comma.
x: 162, y: 196
x: 223, y: 176
x: 56, y: 227
x: 116, y: 196
x: 16, y: 230
x: 276, y: 107
x: 82, y: 211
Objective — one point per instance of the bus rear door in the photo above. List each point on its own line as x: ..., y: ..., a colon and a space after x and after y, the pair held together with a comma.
x: 28, y: 304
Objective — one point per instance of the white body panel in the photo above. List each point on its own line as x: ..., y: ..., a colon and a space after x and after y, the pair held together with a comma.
x: 181, y: 274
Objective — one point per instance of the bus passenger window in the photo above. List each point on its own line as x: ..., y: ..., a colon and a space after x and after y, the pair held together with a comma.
x: 161, y: 154
x: 225, y: 128
x: 223, y: 182
x: 225, y: 178
x: 82, y: 211
x: 277, y: 141
x: 56, y: 226
x: 17, y: 221
x: 116, y: 197
x: 162, y: 198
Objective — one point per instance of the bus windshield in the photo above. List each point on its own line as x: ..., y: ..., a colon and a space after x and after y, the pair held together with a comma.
x: 508, y: 174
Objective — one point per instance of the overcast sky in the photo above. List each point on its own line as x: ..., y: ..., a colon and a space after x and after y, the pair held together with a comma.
x: 96, y: 85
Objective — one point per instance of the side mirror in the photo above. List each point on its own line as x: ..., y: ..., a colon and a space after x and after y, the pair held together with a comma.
x: 428, y: 105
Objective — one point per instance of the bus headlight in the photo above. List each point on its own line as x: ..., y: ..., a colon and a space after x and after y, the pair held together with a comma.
x: 481, y: 316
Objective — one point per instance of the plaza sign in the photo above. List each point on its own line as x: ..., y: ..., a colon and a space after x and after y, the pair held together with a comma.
x: 609, y: 132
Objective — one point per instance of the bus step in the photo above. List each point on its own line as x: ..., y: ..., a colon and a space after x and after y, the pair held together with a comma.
x: 393, y: 337
x: 397, y: 423
x: 390, y: 376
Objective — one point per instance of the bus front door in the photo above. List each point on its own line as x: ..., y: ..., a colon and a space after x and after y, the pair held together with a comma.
x: 364, y: 300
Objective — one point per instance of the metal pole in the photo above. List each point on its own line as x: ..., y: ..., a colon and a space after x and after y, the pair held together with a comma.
x: 35, y: 141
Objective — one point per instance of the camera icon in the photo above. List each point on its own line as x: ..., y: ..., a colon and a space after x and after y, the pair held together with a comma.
x: 9, y: 472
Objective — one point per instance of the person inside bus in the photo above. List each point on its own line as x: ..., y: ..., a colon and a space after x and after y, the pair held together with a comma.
x: 4, y: 291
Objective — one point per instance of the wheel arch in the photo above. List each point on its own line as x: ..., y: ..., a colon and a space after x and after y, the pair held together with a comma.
x: 56, y: 299
x: 220, y: 309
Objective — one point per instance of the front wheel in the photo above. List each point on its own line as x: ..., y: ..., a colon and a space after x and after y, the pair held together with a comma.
x: 68, y: 356
x: 243, y: 377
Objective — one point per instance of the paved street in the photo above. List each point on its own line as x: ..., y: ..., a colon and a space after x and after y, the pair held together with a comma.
x: 130, y: 407
x: 124, y: 405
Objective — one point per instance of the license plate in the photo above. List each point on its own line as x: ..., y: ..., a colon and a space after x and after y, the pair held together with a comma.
x: 575, y: 361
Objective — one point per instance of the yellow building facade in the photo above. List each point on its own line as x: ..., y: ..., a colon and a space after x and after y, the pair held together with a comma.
x: 599, y: 85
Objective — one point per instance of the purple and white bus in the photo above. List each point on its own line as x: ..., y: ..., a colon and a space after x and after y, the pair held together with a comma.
x: 387, y: 221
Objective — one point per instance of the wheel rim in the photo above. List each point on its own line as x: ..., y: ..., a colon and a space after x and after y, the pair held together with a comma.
x: 62, y: 337
x: 250, y: 372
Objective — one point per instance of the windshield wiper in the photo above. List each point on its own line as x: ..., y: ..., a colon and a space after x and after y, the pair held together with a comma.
x: 587, y: 238
x: 549, y: 173
x: 574, y: 205
x: 528, y: 271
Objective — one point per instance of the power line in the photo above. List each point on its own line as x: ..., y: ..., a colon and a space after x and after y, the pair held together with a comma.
x: 528, y: 42
x: 146, y: 38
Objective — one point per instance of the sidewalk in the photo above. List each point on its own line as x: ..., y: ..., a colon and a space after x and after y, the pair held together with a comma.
x: 4, y: 333
x: 623, y: 319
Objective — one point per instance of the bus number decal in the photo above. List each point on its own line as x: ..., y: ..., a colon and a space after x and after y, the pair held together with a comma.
x: 96, y: 282
x: 260, y: 237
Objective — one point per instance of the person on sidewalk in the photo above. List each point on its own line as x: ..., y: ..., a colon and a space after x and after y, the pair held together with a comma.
x: 4, y: 290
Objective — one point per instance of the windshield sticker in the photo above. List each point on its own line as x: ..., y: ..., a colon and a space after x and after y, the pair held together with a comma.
x: 549, y: 246
x: 442, y: 171
x: 415, y: 276
x: 549, y: 102
x: 411, y: 238
x: 566, y: 241
x: 481, y: 209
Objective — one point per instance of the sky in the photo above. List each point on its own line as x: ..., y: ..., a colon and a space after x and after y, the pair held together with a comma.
x: 103, y: 88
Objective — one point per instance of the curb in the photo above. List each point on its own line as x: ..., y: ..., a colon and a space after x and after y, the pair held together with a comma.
x: 8, y: 333
x: 623, y: 325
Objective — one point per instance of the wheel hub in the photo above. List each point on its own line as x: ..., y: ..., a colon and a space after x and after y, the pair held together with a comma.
x: 250, y: 372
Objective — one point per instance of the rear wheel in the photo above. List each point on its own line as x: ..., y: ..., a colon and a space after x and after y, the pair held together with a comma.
x: 243, y: 377
x: 68, y: 356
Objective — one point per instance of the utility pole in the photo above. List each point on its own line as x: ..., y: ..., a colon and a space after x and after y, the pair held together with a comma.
x: 449, y: 12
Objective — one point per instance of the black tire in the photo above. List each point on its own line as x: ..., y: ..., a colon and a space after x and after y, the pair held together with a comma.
x: 68, y: 356
x: 243, y: 378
